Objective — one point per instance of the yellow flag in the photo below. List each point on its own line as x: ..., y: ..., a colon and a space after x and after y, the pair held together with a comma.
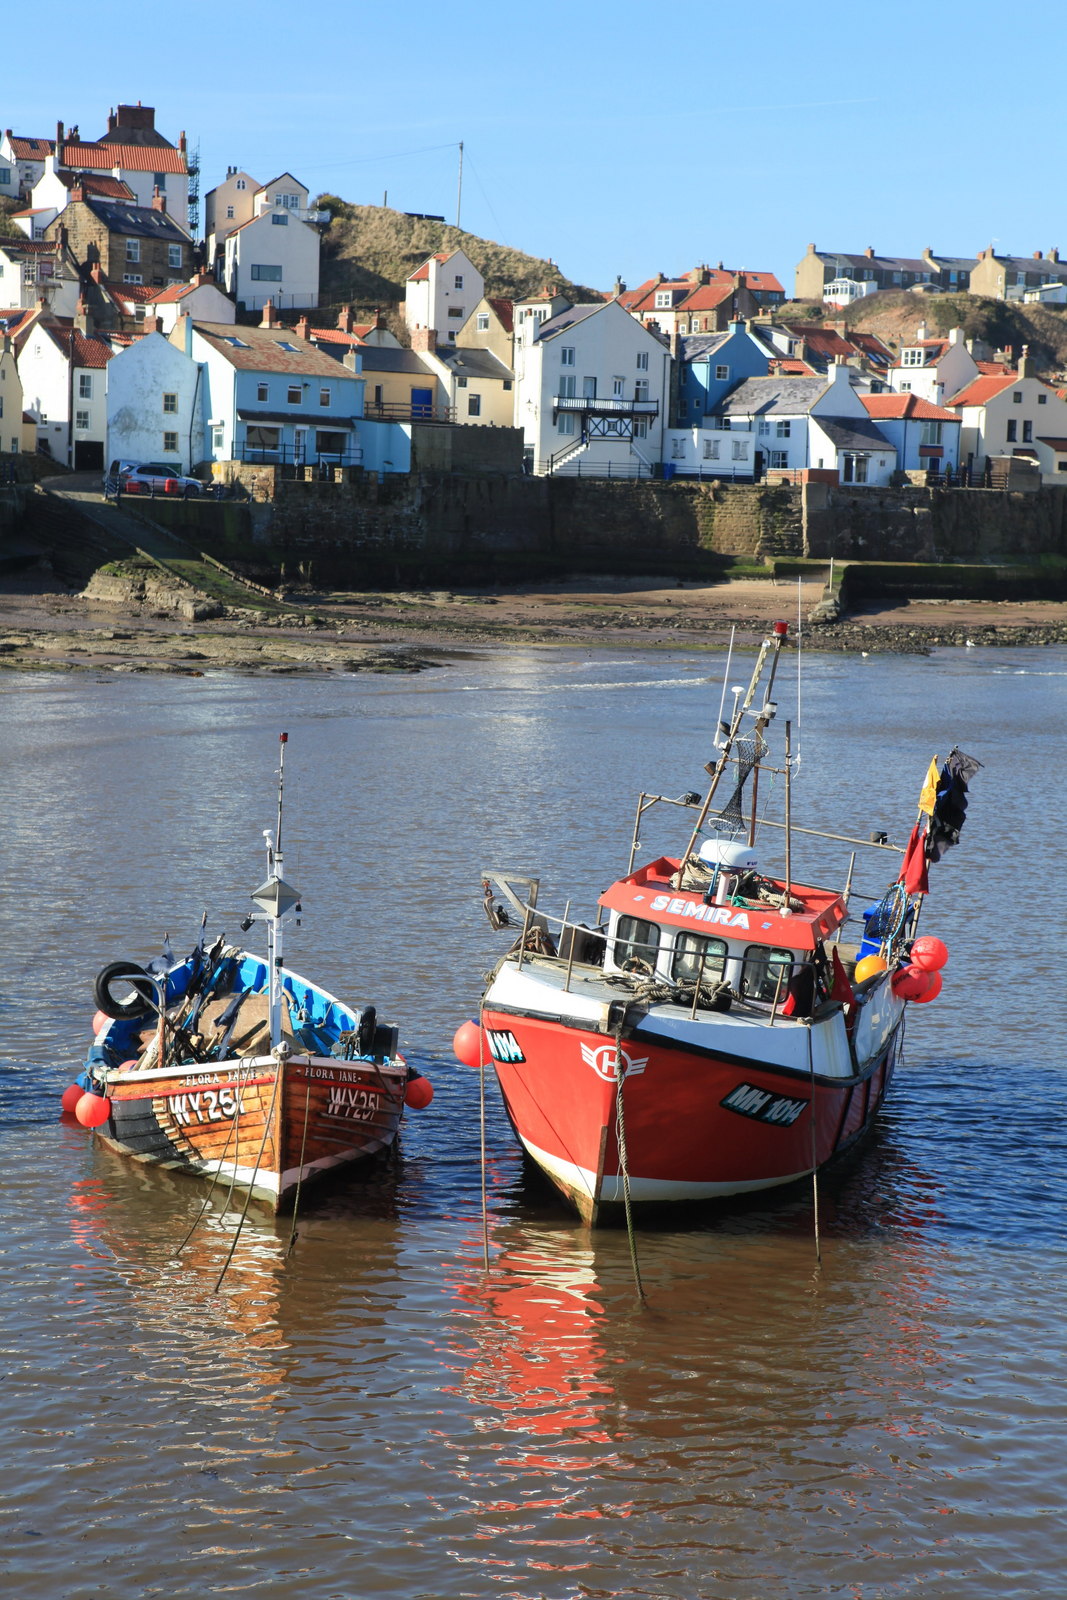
x: 929, y: 790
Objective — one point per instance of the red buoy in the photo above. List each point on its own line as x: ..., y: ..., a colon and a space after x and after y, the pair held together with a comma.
x: 911, y: 983
x: 933, y: 990
x: 70, y: 1097
x: 418, y: 1093
x: 467, y: 1044
x: 100, y: 1021
x: 93, y: 1110
x: 929, y: 953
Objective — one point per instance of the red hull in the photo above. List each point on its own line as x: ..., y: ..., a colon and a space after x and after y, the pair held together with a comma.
x: 695, y: 1126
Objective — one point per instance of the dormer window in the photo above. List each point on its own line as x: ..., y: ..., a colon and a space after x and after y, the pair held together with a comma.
x: 664, y: 299
x: 912, y: 358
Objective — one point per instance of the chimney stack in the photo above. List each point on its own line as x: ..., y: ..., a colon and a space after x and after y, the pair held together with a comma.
x: 83, y: 318
x: 346, y: 320
x: 424, y: 340
x: 1025, y: 367
x: 269, y: 318
x: 303, y: 327
x: 159, y: 201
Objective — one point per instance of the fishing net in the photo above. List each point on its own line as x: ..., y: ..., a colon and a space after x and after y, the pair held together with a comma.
x: 746, y: 754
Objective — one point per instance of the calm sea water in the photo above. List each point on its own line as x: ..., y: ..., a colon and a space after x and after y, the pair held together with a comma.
x: 374, y: 1414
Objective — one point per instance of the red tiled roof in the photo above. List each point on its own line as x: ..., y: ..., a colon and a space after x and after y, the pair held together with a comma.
x: 86, y: 350
x: 505, y: 310
x: 338, y: 335
x: 102, y: 184
x: 789, y: 366
x: 19, y: 243
x: 990, y: 368
x: 130, y: 291
x: 871, y: 345
x: 706, y: 297
x: 825, y: 342
x: 982, y: 389
x: 905, y: 406
x: 423, y: 272
x: 1058, y: 445
x: 27, y: 149
x: 134, y: 157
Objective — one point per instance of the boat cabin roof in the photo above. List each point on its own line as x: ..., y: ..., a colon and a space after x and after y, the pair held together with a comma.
x: 648, y: 894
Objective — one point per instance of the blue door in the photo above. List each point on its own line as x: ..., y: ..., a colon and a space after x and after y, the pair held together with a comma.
x: 422, y: 402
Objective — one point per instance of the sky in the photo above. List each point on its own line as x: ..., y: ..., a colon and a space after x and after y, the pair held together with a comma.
x: 617, y: 141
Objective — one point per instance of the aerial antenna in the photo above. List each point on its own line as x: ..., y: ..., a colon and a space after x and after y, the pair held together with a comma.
x: 459, y: 186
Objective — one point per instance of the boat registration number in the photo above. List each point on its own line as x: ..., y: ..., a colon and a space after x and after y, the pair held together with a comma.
x: 207, y: 1105
x: 748, y: 1101
x: 358, y: 1104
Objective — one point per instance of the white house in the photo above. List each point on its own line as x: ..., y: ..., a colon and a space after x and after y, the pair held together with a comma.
x: 226, y: 207
x: 154, y: 405
x: 934, y: 368
x: 10, y: 400
x: 35, y: 269
x: 200, y: 298
x: 1013, y: 414
x: 478, y: 387
x: 441, y: 294
x: 63, y: 373
x: 135, y: 153
x: 591, y: 390
x: 806, y: 423
x: 926, y: 437
x: 275, y: 257
x: 26, y: 157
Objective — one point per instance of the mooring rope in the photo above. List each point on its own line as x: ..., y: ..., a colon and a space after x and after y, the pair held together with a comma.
x: 299, y: 1170
x: 278, y: 1068
x: 215, y: 1175
x: 624, y: 1165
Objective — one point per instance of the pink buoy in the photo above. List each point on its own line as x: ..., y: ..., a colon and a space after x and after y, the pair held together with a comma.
x: 70, y: 1097
x: 93, y: 1110
x: 932, y: 992
x: 418, y: 1093
x: 910, y: 983
x: 466, y: 1044
x: 929, y: 953
x: 100, y: 1021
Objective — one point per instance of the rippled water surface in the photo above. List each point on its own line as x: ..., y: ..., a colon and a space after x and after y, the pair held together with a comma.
x: 373, y: 1413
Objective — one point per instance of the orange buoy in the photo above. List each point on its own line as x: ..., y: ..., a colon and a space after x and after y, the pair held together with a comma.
x: 928, y: 953
x: 911, y: 983
x: 466, y: 1044
x: 100, y: 1020
x: 70, y: 1097
x: 92, y: 1110
x: 418, y: 1093
x: 933, y: 989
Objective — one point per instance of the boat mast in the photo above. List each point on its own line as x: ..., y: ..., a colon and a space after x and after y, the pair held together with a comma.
x: 276, y: 899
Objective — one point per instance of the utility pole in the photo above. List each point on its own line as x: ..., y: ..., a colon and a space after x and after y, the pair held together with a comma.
x: 459, y: 190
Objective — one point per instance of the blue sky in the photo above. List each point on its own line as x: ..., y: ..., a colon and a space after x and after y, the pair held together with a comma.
x: 627, y: 139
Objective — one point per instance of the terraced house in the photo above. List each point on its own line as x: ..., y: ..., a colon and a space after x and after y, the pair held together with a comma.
x: 138, y: 245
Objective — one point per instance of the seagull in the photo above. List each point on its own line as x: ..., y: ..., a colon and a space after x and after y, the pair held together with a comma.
x: 970, y: 644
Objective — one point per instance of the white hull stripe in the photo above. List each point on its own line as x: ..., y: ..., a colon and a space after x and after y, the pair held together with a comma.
x: 581, y: 1180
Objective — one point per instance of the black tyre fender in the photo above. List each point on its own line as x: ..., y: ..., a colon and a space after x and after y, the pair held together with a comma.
x: 139, y: 1005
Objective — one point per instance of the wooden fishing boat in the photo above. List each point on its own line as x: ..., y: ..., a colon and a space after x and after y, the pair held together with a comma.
x: 711, y: 1035
x: 228, y: 1064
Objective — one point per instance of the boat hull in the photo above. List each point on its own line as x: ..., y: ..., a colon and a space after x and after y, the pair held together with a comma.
x: 264, y: 1125
x: 696, y: 1124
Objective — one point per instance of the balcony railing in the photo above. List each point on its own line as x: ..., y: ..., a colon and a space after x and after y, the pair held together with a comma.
x: 403, y: 411
x: 609, y: 406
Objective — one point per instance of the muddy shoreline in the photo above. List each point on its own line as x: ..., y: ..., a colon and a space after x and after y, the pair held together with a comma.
x: 45, y: 628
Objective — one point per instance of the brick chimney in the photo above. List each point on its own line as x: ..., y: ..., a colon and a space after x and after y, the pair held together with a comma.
x: 869, y: 252
x: 269, y: 318
x: 83, y: 318
x: 424, y: 340
x: 77, y: 193
x: 1053, y: 255
x: 159, y: 201
x: 96, y: 272
x: 1025, y: 367
x: 346, y: 319
x: 303, y: 327
x: 157, y: 325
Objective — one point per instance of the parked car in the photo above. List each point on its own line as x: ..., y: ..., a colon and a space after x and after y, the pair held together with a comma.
x: 154, y: 477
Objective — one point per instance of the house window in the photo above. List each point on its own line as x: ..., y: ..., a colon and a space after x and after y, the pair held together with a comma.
x: 764, y: 426
x: 568, y: 386
x: 617, y: 387
x: 5, y: 175
x: 461, y: 383
x: 474, y: 405
x: 779, y: 458
x: 781, y: 430
x: 641, y: 389
x: 324, y: 397
x: 482, y: 323
x: 683, y: 408
x: 457, y: 312
x: 133, y: 249
x: 677, y: 449
x: 241, y: 183
x: 174, y: 255
x: 1012, y: 431
x: 663, y: 300
x: 640, y: 427
x: 85, y: 386
x: 294, y: 394
x: 642, y: 361
x: 132, y: 277
x: 912, y: 358
x: 931, y: 433
x: 265, y: 274
x: 81, y: 421
x: 170, y: 402
x: 458, y: 281
x: 711, y: 449
x: 1028, y: 433
x: 292, y: 201
x: 722, y: 374
x: 160, y: 180
x: 279, y: 219
x: 218, y: 438
x: 905, y: 388
x: 740, y: 450
x: 565, y: 424
x: 170, y: 444
x: 229, y: 212
x: 856, y: 469
x: 1042, y: 399
x: 566, y: 355
x: 262, y: 391
x: 1017, y: 397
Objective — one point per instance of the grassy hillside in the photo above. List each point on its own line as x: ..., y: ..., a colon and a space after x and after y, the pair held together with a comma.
x: 368, y: 252
x: 1001, y: 323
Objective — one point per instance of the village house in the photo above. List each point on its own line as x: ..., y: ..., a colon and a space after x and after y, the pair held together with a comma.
x: 710, y: 365
x: 819, y: 268
x: 275, y: 254
x: 35, y: 269
x: 490, y: 326
x: 399, y: 385
x: 926, y: 436
x: 139, y: 245
x: 62, y: 365
x: 476, y: 385
x: 1002, y: 277
x: 25, y: 157
x: 591, y: 389
x: 809, y: 424
x: 154, y: 405
x: 441, y: 293
x: 136, y: 153
x: 270, y: 396
x: 11, y: 405
x: 200, y: 298
x: 933, y: 367
x: 1014, y: 415
x: 53, y: 191
x: 347, y: 334
x: 226, y: 207
x: 704, y: 300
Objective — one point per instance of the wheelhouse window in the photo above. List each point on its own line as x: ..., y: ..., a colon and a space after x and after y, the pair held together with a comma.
x: 636, y: 941
x: 765, y: 972
x: 691, y: 951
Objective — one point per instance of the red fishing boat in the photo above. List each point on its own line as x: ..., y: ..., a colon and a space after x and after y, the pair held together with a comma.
x: 712, y: 1034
